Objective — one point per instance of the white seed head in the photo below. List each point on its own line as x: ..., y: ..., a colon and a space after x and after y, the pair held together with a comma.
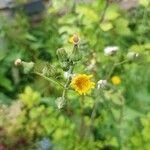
x: 110, y: 50
x: 18, y: 62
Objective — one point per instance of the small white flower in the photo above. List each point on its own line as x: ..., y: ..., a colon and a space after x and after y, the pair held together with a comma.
x: 110, y: 50
x: 101, y: 84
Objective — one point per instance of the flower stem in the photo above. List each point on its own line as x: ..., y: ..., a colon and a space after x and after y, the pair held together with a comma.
x: 82, y: 124
x: 114, y: 66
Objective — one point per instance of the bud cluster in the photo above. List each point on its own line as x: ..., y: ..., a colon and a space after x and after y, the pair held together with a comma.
x: 67, y: 60
x: 27, y: 66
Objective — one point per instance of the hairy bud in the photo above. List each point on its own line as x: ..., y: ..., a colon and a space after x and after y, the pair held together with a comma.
x: 27, y: 66
x: 76, y: 54
x: 132, y: 56
x: 62, y: 55
x: 60, y: 102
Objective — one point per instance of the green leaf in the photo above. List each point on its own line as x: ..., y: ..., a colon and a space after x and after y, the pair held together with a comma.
x: 144, y: 3
x: 30, y: 37
x: 29, y: 97
x: 6, y: 83
x: 121, y: 26
x: 89, y: 14
x: 106, y: 26
x: 112, y: 13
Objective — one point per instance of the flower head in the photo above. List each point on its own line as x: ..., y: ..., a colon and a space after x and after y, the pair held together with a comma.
x: 18, y: 62
x: 110, y: 50
x: 82, y: 83
x: 74, y: 39
x: 116, y: 80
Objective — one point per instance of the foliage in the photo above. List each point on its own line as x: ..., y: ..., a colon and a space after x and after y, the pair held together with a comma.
x: 40, y: 110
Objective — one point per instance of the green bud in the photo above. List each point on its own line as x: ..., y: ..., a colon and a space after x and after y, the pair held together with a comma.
x: 27, y: 66
x: 60, y: 102
x: 132, y: 56
x: 48, y: 70
x: 62, y: 55
x: 76, y: 54
x: 65, y: 65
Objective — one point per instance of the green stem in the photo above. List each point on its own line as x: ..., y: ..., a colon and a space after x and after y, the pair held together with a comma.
x: 82, y: 125
x: 120, y: 63
x: 104, y: 12
x: 108, y: 107
x: 114, y: 66
x: 120, y: 123
x: 68, y: 81
x: 49, y: 79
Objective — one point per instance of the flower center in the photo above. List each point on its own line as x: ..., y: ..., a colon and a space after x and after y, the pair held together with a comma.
x: 81, y: 83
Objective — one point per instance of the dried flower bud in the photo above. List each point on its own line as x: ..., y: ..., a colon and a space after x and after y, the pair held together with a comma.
x: 111, y: 50
x: 74, y: 39
x: 18, y: 62
x: 60, y: 102
x: 102, y: 84
x: 132, y: 56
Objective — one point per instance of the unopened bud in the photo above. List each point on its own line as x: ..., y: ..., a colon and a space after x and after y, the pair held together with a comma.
x: 65, y: 66
x: 102, y: 84
x: 60, y: 102
x: 62, y: 55
x: 132, y: 56
x: 18, y: 62
x: 74, y: 39
x: 76, y: 54
x: 27, y: 66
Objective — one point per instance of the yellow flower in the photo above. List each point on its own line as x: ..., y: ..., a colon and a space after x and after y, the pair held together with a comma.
x: 116, y: 80
x: 82, y: 83
x: 74, y: 39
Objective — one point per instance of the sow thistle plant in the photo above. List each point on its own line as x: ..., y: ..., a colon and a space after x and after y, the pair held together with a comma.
x: 85, y: 84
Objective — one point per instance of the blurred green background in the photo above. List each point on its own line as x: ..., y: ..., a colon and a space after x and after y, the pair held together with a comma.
x: 29, y: 117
